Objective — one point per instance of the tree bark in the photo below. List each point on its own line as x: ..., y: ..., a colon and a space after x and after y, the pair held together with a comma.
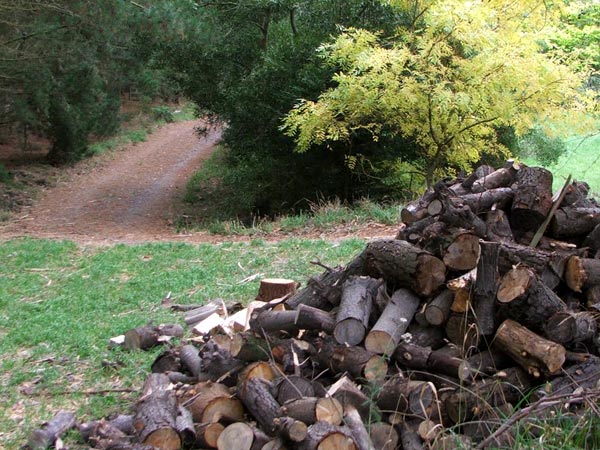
x: 569, y: 222
x: 533, y: 198
x: 404, y: 265
x: 257, y: 398
x: 532, y: 352
x: 352, y: 318
x: 484, y: 298
x: 393, y: 322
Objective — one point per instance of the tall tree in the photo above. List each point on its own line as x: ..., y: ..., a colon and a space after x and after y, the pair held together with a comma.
x: 455, y: 73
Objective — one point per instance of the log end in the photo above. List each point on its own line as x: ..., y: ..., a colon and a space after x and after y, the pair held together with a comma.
x: 349, y: 331
x: 575, y: 275
x: 164, y: 438
x: 431, y: 274
x: 380, y: 342
x: 514, y: 284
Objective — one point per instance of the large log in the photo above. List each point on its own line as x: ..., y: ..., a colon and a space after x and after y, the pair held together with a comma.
x: 257, y: 398
x: 404, y: 265
x: 525, y: 298
x: 393, y: 322
x: 582, y: 273
x: 485, y: 288
x: 352, y: 318
x: 44, y: 437
x: 533, y: 198
x: 566, y: 327
x: 532, y: 352
x: 212, y: 402
x: 273, y: 288
x: 156, y: 413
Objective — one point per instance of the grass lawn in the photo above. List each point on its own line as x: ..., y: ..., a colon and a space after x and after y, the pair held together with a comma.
x: 60, y: 304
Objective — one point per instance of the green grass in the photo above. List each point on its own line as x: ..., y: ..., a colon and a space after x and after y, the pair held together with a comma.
x: 60, y: 304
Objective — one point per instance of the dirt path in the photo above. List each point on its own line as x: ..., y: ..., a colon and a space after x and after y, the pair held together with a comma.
x: 133, y: 195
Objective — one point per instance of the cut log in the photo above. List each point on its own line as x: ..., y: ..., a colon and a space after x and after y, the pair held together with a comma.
x: 341, y: 358
x: 100, y: 430
x: 426, y: 336
x: 263, y: 370
x: 273, y: 288
x: 218, y: 363
x: 409, y: 436
x: 583, y: 375
x: 207, y: 434
x: 524, y: 298
x: 142, y: 338
x: 314, y: 319
x: 241, y: 436
x: 571, y: 222
x: 484, y: 297
x: 358, y: 429
x: 212, y: 402
x: 502, y: 177
x: 533, y: 198
x: 458, y: 214
x: 577, y: 195
x: 413, y: 233
x: 592, y: 241
x: 273, y: 321
x: 292, y: 387
x: 184, y: 423
x: 352, y: 318
x: 349, y: 395
x: 566, y: 327
x: 324, y: 436
x: 582, y: 273
x: 257, y: 398
x: 483, y: 201
x: 399, y: 394
x: 532, y: 352
x: 44, y: 437
x: 167, y: 361
x: 508, y: 387
x: 417, y: 209
x: 312, y: 409
x: 393, y: 322
x: 481, y: 172
x: 484, y: 363
x: 155, y: 414
x: 384, y: 436
x: 429, y: 430
x: 463, y: 253
x: 404, y: 265
x: 291, y: 429
x: 462, y: 330
x: 438, y: 310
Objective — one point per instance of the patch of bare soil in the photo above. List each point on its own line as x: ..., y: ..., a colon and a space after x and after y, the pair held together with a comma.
x: 133, y: 195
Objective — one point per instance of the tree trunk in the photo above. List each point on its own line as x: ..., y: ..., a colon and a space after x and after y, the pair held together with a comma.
x: 393, y: 322
x: 532, y: 352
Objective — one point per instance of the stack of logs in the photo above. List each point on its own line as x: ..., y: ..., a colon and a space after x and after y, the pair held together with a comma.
x: 429, y: 340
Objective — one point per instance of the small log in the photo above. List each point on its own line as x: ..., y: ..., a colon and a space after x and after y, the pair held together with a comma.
x: 312, y: 409
x: 498, y: 226
x: 458, y: 214
x: 184, y: 423
x: 413, y: 233
x: 576, y: 195
x: 182, y: 378
x: 533, y: 198
x: 583, y: 375
x: 417, y: 209
x: 167, y: 361
x: 485, y: 287
x: 156, y: 412
x: 170, y: 329
x: 484, y: 363
x: 101, y: 430
x: 571, y: 222
x: 273, y: 288
x: 502, y: 177
x: 349, y: 395
x: 429, y: 430
x: 384, y: 436
x: 219, y: 363
x: 483, y: 201
x: 582, y: 273
x: 50, y: 431
x: 207, y: 434
x: 314, y: 319
x: 566, y: 327
x: 404, y: 265
x: 241, y: 436
x: 592, y: 241
x: 257, y: 398
x: 324, y: 436
x: 212, y: 402
x: 393, y: 322
x: 532, y: 352
x: 525, y: 298
x: 409, y: 436
x: 437, y: 311
x: 399, y: 394
x: 273, y: 321
x: 291, y: 429
x: 411, y: 356
x: 275, y: 444
x: 358, y: 429
x: 190, y: 359
x: 352, y: 318
x: 462, y: 330
x: 426, y: 336
x: 509, y: 386
x: 142, y: 338
x: 341, y: 358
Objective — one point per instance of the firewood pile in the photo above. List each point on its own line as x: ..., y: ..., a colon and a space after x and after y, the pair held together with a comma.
x: 479, y: 316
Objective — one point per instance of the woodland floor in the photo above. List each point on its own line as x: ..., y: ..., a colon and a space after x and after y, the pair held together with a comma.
x: 133, y: 195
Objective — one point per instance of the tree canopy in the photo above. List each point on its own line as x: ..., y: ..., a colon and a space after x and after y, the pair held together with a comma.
x: 450, y: 77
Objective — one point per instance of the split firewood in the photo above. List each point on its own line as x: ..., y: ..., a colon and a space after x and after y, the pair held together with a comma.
x: 241, y: 436
x: 532, y: 352
x: 567, y: 327
x: 272, y: 288
x: 44, y: 437
x: 324, y: 436
x: 208, y: 324
x: 353, y: 315
x: 212, y: 402
x: 156, y: 414
x: 404, y: 265
x: 525, y: 298
x: 207, y: 434
x: 196, y: 315
x: 393, y: 322
x: 314, y: 409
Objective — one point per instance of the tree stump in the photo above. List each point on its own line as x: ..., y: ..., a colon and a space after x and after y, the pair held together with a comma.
x: 274, y: 288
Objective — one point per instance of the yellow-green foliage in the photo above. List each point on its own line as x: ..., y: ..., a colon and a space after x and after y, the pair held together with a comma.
x: 449, y: 78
